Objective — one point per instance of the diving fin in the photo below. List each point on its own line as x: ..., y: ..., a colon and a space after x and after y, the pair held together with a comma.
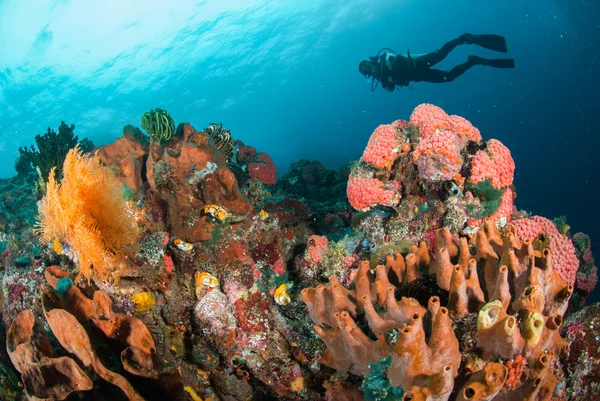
x: 496, y: 63
x: 488, y: 41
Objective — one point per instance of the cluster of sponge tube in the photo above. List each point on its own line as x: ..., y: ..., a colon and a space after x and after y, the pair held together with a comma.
x: 515, y: 298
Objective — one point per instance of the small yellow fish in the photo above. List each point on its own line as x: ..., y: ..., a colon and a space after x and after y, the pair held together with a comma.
x: 216, y: 211
x: 182, y: 245
x: 263, y: 215
x: 281, y: 296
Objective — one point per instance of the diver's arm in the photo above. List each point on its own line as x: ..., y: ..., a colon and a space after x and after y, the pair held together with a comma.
x: 388, y: 85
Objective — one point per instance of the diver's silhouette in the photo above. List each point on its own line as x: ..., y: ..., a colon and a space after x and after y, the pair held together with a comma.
x: 395, y: 70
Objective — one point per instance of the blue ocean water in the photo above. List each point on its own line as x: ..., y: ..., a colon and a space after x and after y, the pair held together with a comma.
x: 283, y: 76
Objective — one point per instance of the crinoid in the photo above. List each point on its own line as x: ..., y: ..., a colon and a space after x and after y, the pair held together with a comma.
x: 159, y: 125
x: 221, y: 138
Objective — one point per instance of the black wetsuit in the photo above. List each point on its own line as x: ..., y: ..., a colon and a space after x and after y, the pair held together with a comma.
x: 398, y: 70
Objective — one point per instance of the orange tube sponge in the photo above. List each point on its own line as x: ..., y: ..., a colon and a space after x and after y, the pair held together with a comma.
x: 514, y: 292
x: 87, y: 210
x: 485, y: 384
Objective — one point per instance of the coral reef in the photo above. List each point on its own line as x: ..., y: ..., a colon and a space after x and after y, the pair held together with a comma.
x: 188, y: 173
x: 434, y: 170
x: 519, y: 301
x: 408, y: 275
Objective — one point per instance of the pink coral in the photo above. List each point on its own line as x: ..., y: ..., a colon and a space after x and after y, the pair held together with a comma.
x: 548, y: 227
x: 564, y: 260
x: 382, y: 148
x: 429, y: 118
x: 462, y: 126
x: 494, y: 163
x: 527, y: 229
x: 438, y: 156
x: 562, y: 252
x: 263, y: 169
x: 364, y: 193
x: 318, y: 245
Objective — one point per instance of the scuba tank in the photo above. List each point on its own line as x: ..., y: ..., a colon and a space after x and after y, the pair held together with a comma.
x: 379, y: 59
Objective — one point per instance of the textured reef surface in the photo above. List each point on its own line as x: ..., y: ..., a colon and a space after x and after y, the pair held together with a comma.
x: 180, y: 265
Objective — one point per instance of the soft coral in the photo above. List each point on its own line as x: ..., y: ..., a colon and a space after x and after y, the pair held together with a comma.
x: 87, y: 210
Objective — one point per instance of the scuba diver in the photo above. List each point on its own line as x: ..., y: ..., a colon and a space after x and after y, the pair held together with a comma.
x: 395, y: 70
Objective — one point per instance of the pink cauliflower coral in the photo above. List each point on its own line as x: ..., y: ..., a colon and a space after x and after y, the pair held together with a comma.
x: 364, y: 193
x: 562, y: 252
x: 438, y: 156
x: 430, y: 118
x: 382, y: 148
x: 246, y: 155
x: 400, y: 124
x: 463, y: 127
x: 548, y: 227
x: 317, y: 248
x: 494, y: 163
x: 527, y: 229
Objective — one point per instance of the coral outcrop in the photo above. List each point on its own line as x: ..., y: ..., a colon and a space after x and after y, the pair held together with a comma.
x: 518, y: 298
x: 128, y: 154
x: 188, y: 173
x: 408, y: 276
x: 434, y: 170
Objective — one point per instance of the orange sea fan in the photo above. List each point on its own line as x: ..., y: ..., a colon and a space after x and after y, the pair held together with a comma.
x: 87, y: 210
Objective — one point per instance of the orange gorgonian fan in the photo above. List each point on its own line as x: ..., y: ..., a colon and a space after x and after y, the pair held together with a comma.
x: 87, y: 210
